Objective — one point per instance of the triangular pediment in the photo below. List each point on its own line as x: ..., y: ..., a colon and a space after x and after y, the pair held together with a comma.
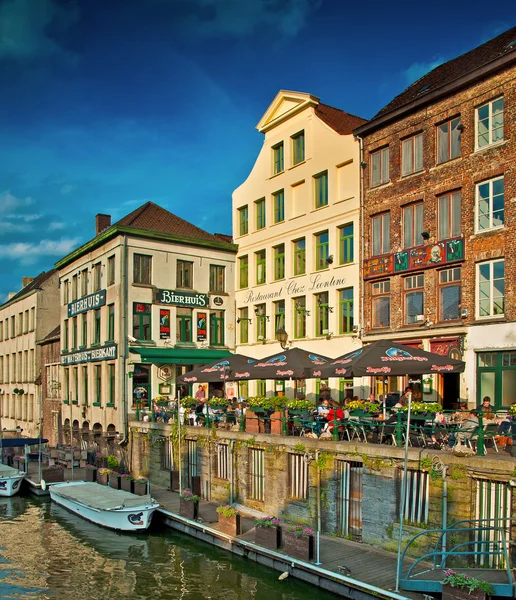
x: 283, y: 107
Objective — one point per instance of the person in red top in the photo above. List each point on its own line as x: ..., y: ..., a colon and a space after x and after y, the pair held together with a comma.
x: 334, y: 412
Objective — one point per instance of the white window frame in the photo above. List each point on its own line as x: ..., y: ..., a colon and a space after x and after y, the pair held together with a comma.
x: 491, y: 314
x: 410, y: 147
x: 382, y: 155
x: 449, y: 200
x: 384, y: 241
x: 416, y: 228
x: 490, y: 129
x: 489, y: 182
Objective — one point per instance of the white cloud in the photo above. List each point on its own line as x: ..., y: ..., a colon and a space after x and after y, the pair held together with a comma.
x: 56, y: 225
x: 28, y: 253
x: 417, y: 70
x: 24, y: 28
x: 66, y: 189
x: 10, y: 203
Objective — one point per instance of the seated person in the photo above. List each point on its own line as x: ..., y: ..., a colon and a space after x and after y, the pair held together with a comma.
x: 334, y: 413
x: 467, y: 428
x: 487, y: 409
x: 462, y: 414
x: 324, y: 408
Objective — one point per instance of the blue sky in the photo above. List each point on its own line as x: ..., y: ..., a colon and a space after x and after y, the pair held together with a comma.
x: 106, y: 104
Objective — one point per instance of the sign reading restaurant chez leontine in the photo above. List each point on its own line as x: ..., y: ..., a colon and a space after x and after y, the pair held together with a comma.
x: 107, y: 352
x: 413, y: 259
x: 318, y: 283
x: 95, y: 300
x: 188, y: 299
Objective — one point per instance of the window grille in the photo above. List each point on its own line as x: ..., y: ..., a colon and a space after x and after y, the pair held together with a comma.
x: 493, y: 509
x: 415, y: 509
x: 297, y: 476
x: 257, y: 463
x: 222, y: 461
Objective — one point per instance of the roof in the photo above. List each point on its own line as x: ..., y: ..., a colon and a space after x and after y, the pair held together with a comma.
x: 153, y: 217
x: 500, y: 47
x: 54, y: 335
x: 340, y: 121
x: 224, y: 237
x: 32, y: 286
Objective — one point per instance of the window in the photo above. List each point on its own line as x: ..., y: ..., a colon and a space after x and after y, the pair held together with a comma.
x: 412, y: 225
x: 1, y: 331
x: 98, y: 385
x: 217, y: 278
x: 261, y: 387
x: 217, y: 328
x: 259, y: 208
x: 111, y: 323
x: 96, y: 277
x: 142, y: 269
x: 66, y: 334
x: 491, y: 288
x: 381, y: 303
x: 414, y: 299
x: 32, y: 318
x: 74, y: 288
x: 85, y: 329
x: 261, y: 322
x: 379, y: 167
x: 279, y: 316
x: 111, y: 374
x: 223, y: 461
x: 85, y: 386
x: 243, y: 263
x: 20, y: 323
x: 260, y: 267
x: 277, y: 158
x: 74, y: 333
x: 412, y: 154
x: 346, y: 321
x: 415, y: 505
x: 299, y: 256
x: 97, y: 328
x: 142, y: 321
x: 490, y: 204
x: 278, y: 200
x: 300, y: 313
x: 243, y: 318
x: 184, y: 275
x: 448, y: 140
x: 297, y: 476
x: 450, y: 221
x: 111, y: 270
x: 257, y: 473
x: 489, y: 123
x: 279, y: 262
x: 298, y: 148
x: 184, y: 325
x: 84, y: 282
x: 66, y: 291
x: 321, y: 250
x: 25, y: 322
x: 346, y: 252
x: 381, y: 233
x: 449, y: 294
x: 243, y: 220
x: 321, y: 189
x: 322, y: 310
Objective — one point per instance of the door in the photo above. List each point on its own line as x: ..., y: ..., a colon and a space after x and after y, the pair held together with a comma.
x: 349, y: 499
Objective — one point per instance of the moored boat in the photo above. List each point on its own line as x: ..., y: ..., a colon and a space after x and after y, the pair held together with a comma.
x: 104, y: 505
x: 10, y: 480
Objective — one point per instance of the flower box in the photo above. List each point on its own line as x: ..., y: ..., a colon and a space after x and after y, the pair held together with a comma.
x: 140, y: 487
x: 102, y: 477
x: 230, y: 525
x: 114, y: 480
x: 91, y: 474
x: 298, y: 546
x: 126, y: 484
x: 455, y: 593
x: 189, y: 509
x: 268, y: 537
x: 52, y: 474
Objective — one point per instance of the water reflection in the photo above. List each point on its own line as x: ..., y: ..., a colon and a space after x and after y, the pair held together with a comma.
x: 46, y: 552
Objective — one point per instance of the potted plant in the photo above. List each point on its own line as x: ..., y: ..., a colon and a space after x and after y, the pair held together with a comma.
x: 53, y: 474
x: 189, y: 402
x: 298, y: 406
x: 268, y: 532
x: 459, y: 586
x: 140, y: 486
x: 100, y: 461
x: 114, y: 480
x: 161, y: 401
x: 103, y: 476
x: 218, y: 403
x: 112, y: 462
x: 126, y: 482
x: 229, y: 520
x: 358, y: 408
x: 298, y: 542
x: 91, y: 473
x: 189, y: 505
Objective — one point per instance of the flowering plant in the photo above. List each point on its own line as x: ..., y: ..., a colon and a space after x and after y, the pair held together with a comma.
x: 125, y: 476
x: 189, y: 496
x: 104, y: 471
x: 91, y: 467
x: 300, y: 404
x: 268, y: 403
x: 267, y: 522
x: 189, y: 402
x: 227, y: 511
x: 423, y: 408
x: 465, y: 582
x: 512, y: 411
x: 301, y: 530
x: 365, y: 405
x: 218, y: 401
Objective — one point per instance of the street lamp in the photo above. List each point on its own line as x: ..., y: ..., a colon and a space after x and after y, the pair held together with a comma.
x: 282, y: 337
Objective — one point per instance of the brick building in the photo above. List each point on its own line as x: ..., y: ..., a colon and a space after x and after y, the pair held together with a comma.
x: 51, y: 387
x: 438, y: 219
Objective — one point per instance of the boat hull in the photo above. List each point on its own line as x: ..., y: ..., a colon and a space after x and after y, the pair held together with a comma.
x: 135, y: 518
x: 10, y: 484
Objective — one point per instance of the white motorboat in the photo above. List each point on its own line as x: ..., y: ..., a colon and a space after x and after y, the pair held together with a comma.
x: 104, y: 505
x: 10, y: 480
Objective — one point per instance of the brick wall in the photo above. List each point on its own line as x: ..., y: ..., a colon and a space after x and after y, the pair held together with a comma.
x: 51, y: 354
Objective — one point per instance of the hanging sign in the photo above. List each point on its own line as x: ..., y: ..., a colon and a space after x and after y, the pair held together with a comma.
x: 201, y: 327
x: 107, y: 352
x: 90, y: 302
x: 164, y: 324
x: 176, y: 298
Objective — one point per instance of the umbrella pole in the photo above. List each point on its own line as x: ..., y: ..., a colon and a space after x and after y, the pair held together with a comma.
x: 179, y: 439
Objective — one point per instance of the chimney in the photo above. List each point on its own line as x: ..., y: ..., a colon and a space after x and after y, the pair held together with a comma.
x: 102, y: 222
x: 26, y: 280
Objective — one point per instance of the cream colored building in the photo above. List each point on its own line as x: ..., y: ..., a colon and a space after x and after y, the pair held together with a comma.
x: 296, y: 222
x: 142, y: 302
x: 28, y: 316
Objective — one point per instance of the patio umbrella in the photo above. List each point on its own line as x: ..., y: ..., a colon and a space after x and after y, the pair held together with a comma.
x: 385, y: 357
x: 221, y: 370
x: 294, y: 363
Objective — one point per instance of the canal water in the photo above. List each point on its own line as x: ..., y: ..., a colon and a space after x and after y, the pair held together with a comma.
x: 46, y: 552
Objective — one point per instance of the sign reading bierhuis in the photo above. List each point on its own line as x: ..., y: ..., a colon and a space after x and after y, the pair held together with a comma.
x: 95, y: 300
x: 177, y: 298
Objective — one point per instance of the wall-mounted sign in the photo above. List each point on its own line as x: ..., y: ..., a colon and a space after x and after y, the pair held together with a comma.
x: 201, y: 327
x: 165, y: 372
x: 89, y: 302
x: 164, y: 324
x: 108, y: 352
x: 296, y: 287
x: 176, y: 298
x: 420, y: 257
x: 218, y: 301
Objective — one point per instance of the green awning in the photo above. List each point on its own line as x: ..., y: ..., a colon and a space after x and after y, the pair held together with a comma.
x: 179, y: 356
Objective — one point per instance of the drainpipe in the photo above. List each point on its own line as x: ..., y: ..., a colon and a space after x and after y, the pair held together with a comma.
x: 232, y: 477
x: 317, y: 539
x: 445, y: 516
x: 362, y: 229
x: 124, y: 344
